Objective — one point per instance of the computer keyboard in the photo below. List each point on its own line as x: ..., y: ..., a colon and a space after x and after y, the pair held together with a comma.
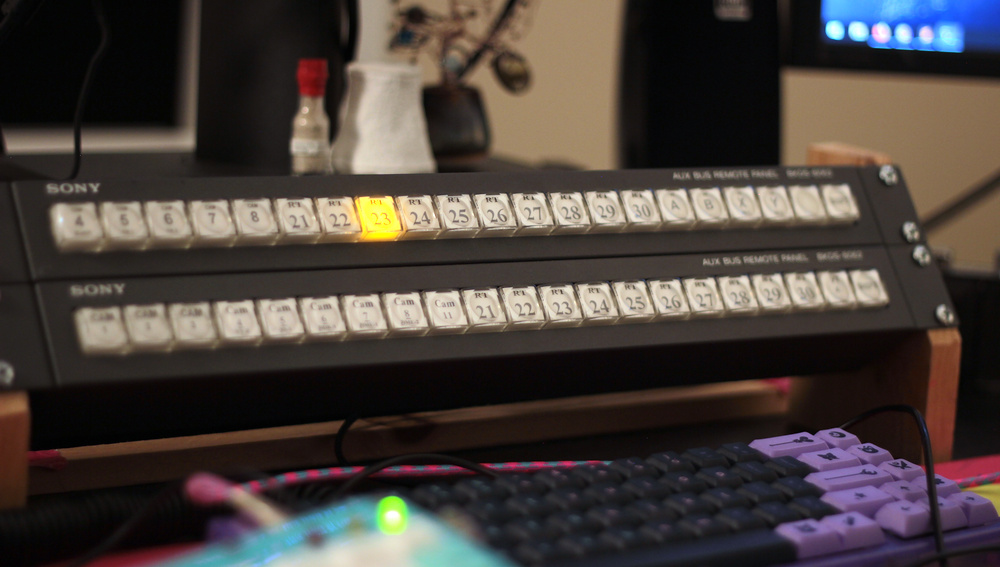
x: 823, y: 499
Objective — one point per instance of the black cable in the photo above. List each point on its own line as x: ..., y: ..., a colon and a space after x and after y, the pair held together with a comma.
x: 985, y: 548
x: 3, y: 142
x: 925, y: 441
x: 81, y: 101
x: 393, y: 461
x: 338, y: 441
x: 471, y: 62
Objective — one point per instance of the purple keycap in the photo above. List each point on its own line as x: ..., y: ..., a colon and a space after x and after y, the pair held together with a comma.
x: 838, y: 438
x: 865, y: 499
x: 855, y: 530
x: 978, y: 510
x: 901, y: 469
x: 903, y: 490
x: 952, y: 515
x: 945, y: 486
x: 789, y: 445
x: 829, y: 459
x: 905, y: 519
x: 870, y: 454
x: 811, y: 538
x: 851, y: 477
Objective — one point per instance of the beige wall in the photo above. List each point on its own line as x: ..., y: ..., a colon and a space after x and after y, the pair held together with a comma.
x: 944, y: 132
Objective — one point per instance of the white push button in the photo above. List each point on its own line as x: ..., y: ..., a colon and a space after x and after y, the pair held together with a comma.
x: 669, y: 299
x: 339, y: 219
x: 254, y: 221
x: 807, y: 204
x: 598, y: 303
x: 124, y: 226
x: 837, y: 289
x: 485, y: 310
x: 737, y: 293
x: 496, y: 214
x: 237, y: 322
x: 606, y: 210
x: 533, y: 215
x: 775, y: 205
x: 570, y: 213
x: 561, y: 306
x: 743, y: 207
x: 868, y: 288
x: 523, y: 307
x: 213, y: 225
x: 641, y: 210
x: 458, y: 216
x: 100, y: 330
x: 840, y: 203
x: 418, y: 216
x: 676, y: 209
x: 321, y: 318
x: 634, y: 302
x: 193, y: 325
x: 168, y: 224
x: 703, y: 296
x: 709, y: 207
x: 148, y: 328
x: 445, y: 312
x: 804, y: 291
x: 75, y: 226
x: 405, y: 313
x: 364, y: 316
x: 771, y: 293
x: 297, y: 220
x: 279, y: 320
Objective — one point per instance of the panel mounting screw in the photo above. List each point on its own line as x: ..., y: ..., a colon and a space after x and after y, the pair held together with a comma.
x: 945, y: 315
x: 888, y: 175
x: 922, y: 256
x: 911, y: 232
x: 6, y: 374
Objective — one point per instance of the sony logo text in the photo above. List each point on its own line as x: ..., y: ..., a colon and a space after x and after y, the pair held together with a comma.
x: 96, y: 290
x: 72, y: 188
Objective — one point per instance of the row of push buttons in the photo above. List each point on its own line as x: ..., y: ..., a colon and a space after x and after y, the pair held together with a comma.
x: 159, y: 327
x: 113, y: 225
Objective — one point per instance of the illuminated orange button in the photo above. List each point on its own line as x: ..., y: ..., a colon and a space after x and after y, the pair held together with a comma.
x: 379, y: 220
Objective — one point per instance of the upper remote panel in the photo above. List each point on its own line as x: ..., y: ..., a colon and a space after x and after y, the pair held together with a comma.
x: 193, y: 226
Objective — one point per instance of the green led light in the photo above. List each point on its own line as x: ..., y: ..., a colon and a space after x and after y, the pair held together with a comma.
x: 392, y: 515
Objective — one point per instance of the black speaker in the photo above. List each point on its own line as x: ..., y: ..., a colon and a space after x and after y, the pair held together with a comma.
x: 247, y: 88
x: 699, y: 84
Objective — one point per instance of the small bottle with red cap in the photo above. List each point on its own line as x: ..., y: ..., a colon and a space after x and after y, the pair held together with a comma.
x: 310, y: 147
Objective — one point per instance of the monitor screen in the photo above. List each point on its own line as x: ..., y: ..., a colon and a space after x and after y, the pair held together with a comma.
x: 921, y: 36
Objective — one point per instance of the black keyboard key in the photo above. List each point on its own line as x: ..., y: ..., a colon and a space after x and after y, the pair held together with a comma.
x: 741, y: 453
x: 720, y: 477
x: 609, y: 516
x: 794, y: 487
x: 741, y: 519
x: 687, y: 503
x: 521, y: 484
x: 609, y: 493
x: 759, y: 492
x: 703, y: 526
x: 662, y: 532
x: 557, y: 478
x: 684, y: 482
x: 481, y: 488
x: 529, y: 529
x: 775, y: 513
x: 530, y: 505
x: 703, y: 457
x: 653, y: 510
x: 634, y: 467
x: 811, y: 507
x: 670, y: 461
x: 725, y: 498
x: 582, y: 545
x: 436, y: 495
x: 565, y: 523
x: 595, y: 474
x: 571, y: 499
x: 752, y: 471
x: 788, y: 466
x: 539, y: 553
x: 621, y: 538
x: 491, y: 510
x: 645, y: 487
